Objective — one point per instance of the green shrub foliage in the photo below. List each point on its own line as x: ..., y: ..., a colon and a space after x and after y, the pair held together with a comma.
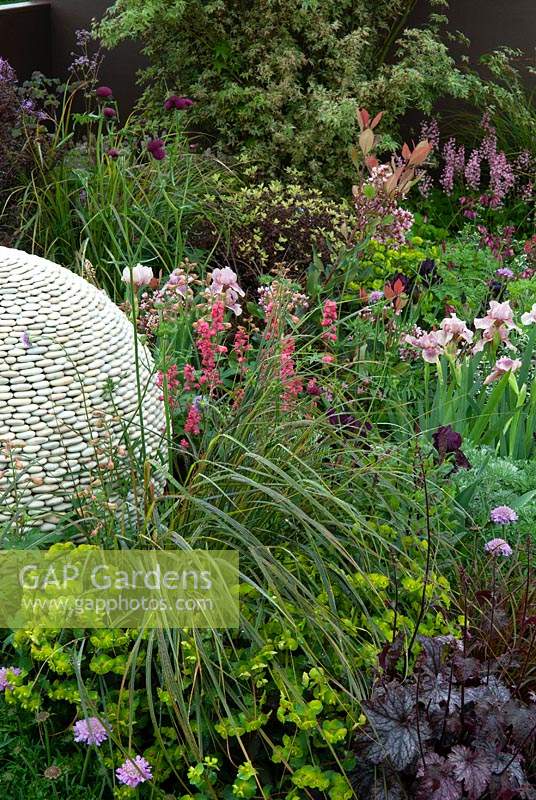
x: 278, y: 82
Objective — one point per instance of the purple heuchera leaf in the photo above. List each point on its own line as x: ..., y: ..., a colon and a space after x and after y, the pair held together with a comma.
x: 437, y: 781
x: 392, y: 716
x: 473, y: 768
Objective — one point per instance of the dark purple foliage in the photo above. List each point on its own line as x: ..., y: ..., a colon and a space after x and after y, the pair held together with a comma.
x: 348, y: 422
x: 452, y: 731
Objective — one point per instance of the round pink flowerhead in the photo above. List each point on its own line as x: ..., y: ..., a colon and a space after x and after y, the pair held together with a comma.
x: 90, y: 731
x: 109, y: 112
x: 113, y: 153
x: 503, y: 515
x: 498, y: 547
x: 375, y: 296
x: 104, y: 92
x: 178, y: 103
x: 157, y: 149
x: 5, y: 672
x: 134, y: 772
x: 140, y: 275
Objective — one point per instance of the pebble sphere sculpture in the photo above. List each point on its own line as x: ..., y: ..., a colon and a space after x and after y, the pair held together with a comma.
x: 63, y: 344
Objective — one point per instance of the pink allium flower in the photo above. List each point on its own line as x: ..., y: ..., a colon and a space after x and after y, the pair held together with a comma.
x: 328, y: 358
x: 157, y: 149
x: 503, y: 515
x: 109, y: 112
x: 502, y: 366
x: 498, y: 321
x: 455, y: 328
x: 376, y: 296
x: 225, y: 283
x: 498, y: 547
x: 529, y: 317
x: 4, y: 677
x: 113, y: 153
x: 134, y: 772
x: 430, y: 344
x: 178, y: 103
x: 90, y: 731
x: 141, y: 275
x: 104, y: 92
x: 313, y: 388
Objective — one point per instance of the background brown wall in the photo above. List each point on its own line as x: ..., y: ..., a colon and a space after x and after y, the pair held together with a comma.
x: 40, y: 35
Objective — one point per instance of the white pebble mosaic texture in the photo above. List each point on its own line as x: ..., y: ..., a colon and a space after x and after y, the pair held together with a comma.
x: 62, y: 344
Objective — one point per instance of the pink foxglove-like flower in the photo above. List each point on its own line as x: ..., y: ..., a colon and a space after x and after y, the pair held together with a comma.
x: 90, y: 731
x: 141, y: 275
x: 498, y: 321
x: 529, y: 317
x: 456, y: 329
x: 225, y: 283
x: 430, y: 344
x: 134, y: 772
x: 503, y: 515
x: 498, y: 547
x: 502, y: 366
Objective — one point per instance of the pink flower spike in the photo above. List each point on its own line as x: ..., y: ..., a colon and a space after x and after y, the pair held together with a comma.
x: 498, y: 547
x: 502, y: 366
x: 503, y: 515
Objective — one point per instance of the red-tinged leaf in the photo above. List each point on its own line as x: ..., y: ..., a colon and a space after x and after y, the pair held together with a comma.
x: 363, y: 295
x: 365, y: 117
x: 366, y: 141
x: 376, y: 120
x: 355, y: 156
x: 406, y: 152
x: 388, y: 292
x: 399, y: 286
x: 420, y: 153
x: 371, y: 162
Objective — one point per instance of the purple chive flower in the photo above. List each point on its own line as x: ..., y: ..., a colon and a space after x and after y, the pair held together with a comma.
x: 178, y: 103
x: 104, y: 92
x: 505, y: 272
x: 375, y: 296
x: 4, y: 679
x: 503, y: 515
x: 25, y: 340
x: 112, y: 152
x: 157, y: 149
x: 109, y: 112
x: 498, y: 547
x: 90, y: 731
x: 134, y: 772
